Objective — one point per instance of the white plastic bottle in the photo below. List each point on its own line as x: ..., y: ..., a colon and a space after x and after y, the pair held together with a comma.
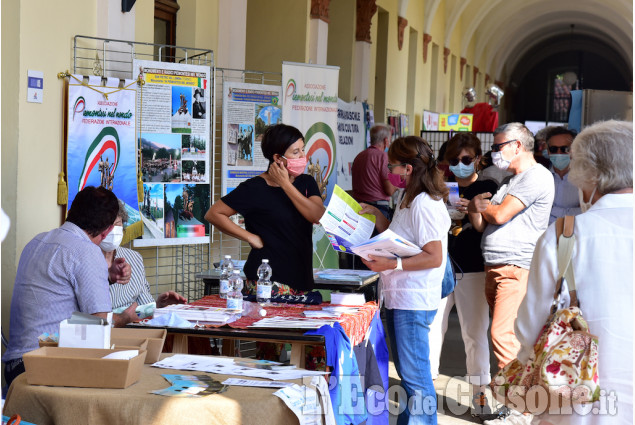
x: 235, y: 295
x: 226, y: 268
x: 263, y: 288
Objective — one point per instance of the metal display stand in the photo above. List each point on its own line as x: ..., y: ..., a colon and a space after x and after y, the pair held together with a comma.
x: 167, y: 267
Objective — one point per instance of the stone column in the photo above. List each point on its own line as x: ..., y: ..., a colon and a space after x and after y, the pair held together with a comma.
x: 319, y: 31
x: 366, y: 9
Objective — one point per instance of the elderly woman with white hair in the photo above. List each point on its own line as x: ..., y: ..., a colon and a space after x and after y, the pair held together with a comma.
x: 602, y: 261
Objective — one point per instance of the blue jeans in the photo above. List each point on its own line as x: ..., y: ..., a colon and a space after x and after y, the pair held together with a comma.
x: 408, y: 331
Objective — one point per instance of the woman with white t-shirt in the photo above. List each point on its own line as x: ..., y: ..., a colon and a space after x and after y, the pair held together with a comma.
x: 411, y: 287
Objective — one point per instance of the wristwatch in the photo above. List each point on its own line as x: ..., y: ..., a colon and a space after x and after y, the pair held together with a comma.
x: 399, y: 265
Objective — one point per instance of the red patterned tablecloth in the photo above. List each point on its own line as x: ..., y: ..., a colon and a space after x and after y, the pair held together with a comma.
x: 355, y: 325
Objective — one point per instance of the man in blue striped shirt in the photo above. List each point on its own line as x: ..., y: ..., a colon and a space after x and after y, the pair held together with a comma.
x: 63, y: 271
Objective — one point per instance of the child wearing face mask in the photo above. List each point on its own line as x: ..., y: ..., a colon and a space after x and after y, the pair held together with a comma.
x: 279, y: 207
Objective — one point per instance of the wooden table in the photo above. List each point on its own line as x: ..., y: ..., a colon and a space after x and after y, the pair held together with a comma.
x: 45, y: 405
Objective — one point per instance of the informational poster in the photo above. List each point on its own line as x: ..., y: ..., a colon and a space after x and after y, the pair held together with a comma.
x: 430, y: 121
x: 351, y: 139
x: 310, y: 104
x: 174, y: 152
x: 248, y: 111
x: 455, y: 122
x: 101, y: 144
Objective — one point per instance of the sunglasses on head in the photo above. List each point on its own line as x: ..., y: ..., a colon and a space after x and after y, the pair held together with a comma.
x: 498, y: 147
x: 562, y: 149
x: 466, y: 160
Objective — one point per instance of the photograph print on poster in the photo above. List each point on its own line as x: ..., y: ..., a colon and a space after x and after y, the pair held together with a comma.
x: 152, y: 211
x: 160, y: 158
x: 199, y: 107
x: 266, y: 116
x: 193, y: 146
x: 181, y: 109
x: 245, y: 144
x: 193, y: 171
x: 185, y: 208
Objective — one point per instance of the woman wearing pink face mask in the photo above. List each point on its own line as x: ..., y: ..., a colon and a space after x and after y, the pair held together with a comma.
x: 279, y: 207
x: 411, y: 287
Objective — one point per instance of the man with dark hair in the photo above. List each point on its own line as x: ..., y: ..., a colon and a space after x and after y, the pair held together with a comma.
x: 63, y: 271
x: 370, y: 171
x: 566, y: 200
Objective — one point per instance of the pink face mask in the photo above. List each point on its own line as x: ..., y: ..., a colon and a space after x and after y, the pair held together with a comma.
x: 397, y: 180
x: 295, y: 166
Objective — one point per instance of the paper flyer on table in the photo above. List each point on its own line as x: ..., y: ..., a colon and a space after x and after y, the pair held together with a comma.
x: 343, y: 224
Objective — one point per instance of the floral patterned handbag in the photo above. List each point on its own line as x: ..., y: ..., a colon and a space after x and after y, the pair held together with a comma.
x: 565, y: 357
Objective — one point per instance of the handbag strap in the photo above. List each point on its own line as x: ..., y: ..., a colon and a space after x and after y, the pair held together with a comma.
x: 565, y: 241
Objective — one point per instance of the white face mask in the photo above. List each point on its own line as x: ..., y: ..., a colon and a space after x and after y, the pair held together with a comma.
x: 112, y: 240
x: 500, y: 162
x: 584, y: 206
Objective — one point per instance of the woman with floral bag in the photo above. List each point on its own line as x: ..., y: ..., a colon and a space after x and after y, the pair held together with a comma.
x: 602, y: 266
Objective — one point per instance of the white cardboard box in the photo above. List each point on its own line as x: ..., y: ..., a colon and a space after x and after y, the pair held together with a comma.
x: 85, y: 336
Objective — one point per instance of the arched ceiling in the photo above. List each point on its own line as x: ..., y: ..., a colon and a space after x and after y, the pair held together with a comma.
x: 503, y: 31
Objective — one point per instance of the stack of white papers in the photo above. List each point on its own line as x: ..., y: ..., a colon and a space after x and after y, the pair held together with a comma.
x: 278, y: 322
x: 347, y: 298
x: 194, y: 313
x: 333, y: 312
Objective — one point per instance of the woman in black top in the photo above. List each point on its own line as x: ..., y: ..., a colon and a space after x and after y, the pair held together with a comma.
x: 463, y: 154
x: 279, y: 207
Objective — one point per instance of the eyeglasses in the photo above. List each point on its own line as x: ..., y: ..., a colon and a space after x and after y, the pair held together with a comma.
x: 562, y: 149
x: 498, y: 147
x: 391, y: 166
x: 466, y: 160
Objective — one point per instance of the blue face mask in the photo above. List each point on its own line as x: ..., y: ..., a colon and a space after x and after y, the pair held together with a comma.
x: 462, y: 171
x: 545, y: 153
x: 560, y: 161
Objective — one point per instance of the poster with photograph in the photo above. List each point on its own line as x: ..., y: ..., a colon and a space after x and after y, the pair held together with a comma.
x: 174, y: 152
x: 248, y: 110
x: 101, y: 142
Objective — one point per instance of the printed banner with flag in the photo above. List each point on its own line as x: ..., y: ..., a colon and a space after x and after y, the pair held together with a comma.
x: 101, y: 144
x: 309, y: 103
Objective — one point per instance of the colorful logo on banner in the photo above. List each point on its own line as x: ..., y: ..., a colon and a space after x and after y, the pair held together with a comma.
x: 79, y: 103
x: 290, y: 90
x: 320, y: 147
x: 106, y: 140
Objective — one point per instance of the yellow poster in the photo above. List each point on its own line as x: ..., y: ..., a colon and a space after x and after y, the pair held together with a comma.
x: 455, y: 122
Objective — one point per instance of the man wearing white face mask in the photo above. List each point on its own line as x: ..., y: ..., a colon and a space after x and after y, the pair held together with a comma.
x: 63, y: 271
x: 565, y: 201
x: 138, y: 289
x: 512, y: 222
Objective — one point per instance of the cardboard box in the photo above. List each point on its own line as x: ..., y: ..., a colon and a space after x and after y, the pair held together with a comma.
x: 84, y: 336
x: 156, y: 338
x: 81, y: 367
x: 47, y: 343
x: 130, y: 344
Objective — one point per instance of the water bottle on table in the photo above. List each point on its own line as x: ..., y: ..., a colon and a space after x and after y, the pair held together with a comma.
x: 235, y: 295
x: 226, y: 268
x: 263, y: 288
